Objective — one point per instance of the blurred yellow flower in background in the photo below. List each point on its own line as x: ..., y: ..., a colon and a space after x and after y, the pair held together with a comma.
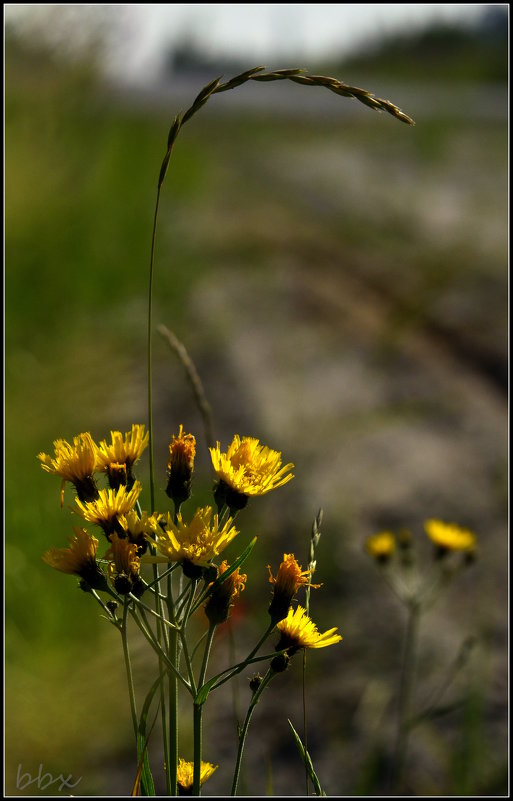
x: 449, y: 536
x: 381, y: 546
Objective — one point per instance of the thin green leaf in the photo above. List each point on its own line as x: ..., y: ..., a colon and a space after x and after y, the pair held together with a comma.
x: 144, y: 776
x: 305, y: 756
x: 204, y: 691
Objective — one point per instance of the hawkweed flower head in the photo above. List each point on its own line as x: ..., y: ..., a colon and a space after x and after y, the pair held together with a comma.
x: 180, y: 468
x: 138, y: 530
x: 381, y: 546
x: 299, y: 631
x: 124, y: 565
x: 217, y: 607
x: 110, y: 505
x: 118, y: 457
x: 75, y: 463
x: 192, y: 544
x: 289, y: 578
x: 247, y: 469
x: 185, y: 775
x: 78, y: 558
x: 448, y: 537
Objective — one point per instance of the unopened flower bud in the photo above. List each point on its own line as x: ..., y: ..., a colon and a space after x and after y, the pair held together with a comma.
x: 280, y: 663
x: 182, y: 451
x: 255, y: 682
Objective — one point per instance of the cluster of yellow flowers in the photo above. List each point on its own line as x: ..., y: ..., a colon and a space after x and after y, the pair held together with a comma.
x: 135, y: 537
x: 446, y: 537
x: 246, y: 469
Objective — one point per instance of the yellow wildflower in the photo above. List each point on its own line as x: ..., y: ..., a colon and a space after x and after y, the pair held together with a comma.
x: 185, y: 774
x: 124, y: 564
x: 78, y: 558
x: 299, y: 631
x: 109, y: 506
x: 289, y: 579
x: 449, y: 536
x: 381, y: 546
x: 138, y: 528
x: 75, y: 463
x: 195, y: 543
x: 117, y: 458
x: 247, y: 469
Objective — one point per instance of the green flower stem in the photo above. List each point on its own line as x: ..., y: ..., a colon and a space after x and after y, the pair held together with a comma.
x: 242, y: 736
x: 155, y: 582
x: 205, y: 634
x: 128, y: 667
x: 173, y: 714
x: 185, y: 600
x: 314, y: 541
x: 173, y: 692
x: 161, y: 646
x: 405, y: 692
x: 206, y: 653
x: 148, y: 634
x: 150, y: 611
x: 451, y: 674
x: 103, y: 606
x: 249, y: 659
x: 198, y: 735
x: 188, y: 661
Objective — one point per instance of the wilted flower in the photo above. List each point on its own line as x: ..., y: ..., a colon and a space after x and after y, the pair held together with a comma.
x: 217, y: 607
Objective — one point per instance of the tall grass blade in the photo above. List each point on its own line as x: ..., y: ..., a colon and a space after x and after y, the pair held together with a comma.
x: 305, y: 756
